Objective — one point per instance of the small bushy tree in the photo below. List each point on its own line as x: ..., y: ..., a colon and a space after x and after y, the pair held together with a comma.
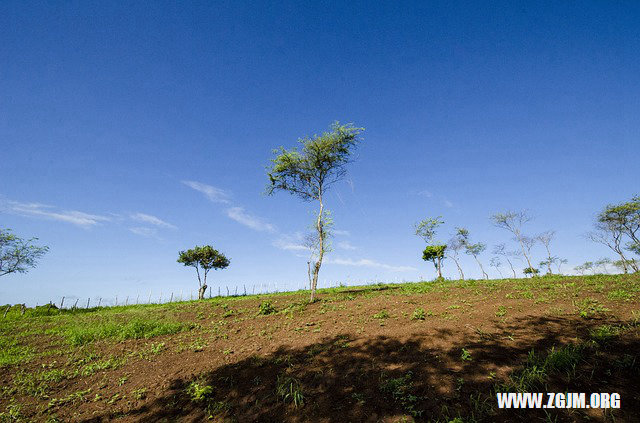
x: 434, y: 252
x: 203, y: 258
x: 17, y: 255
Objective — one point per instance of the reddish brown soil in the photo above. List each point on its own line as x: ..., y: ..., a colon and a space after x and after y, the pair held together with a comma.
x: 341, y: 355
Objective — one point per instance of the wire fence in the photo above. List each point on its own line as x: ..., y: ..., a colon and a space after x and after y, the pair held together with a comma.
x: 167, y: 297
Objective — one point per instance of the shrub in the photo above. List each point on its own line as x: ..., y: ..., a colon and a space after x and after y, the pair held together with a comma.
x: 418, y: 314
x: 266, y: 308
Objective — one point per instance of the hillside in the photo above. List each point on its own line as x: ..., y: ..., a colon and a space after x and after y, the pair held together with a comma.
x: 383, y: 353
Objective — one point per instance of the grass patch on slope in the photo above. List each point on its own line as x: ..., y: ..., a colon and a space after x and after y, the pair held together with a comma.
x: 81, y: 333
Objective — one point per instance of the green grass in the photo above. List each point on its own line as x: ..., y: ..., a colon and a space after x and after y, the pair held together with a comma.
x: 418, y: 314
x: 13, y: 352
x: 400, y: 389
x: 382, y: 314
x: 539, y: 368
x: 82, y: 333
x: 289, y: 389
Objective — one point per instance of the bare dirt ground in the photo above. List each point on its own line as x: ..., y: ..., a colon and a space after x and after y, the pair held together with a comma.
x: 358, y: 355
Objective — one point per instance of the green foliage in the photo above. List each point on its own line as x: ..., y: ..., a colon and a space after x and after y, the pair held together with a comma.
x: 13, y: 413
x: 400, y: 389
x: 433, y: 252
x: 382, y: 314
x: 199, y: 392
x: 81, y: 333
x: 465, y: 355
x: 321, y: 162
x: 539, y: 368
x: 289, y: 389
x: 266, y: 308
x: 426, y: 228
x: 531, y: 271
x: 418, y: 314
x: 17, y: 255
x: 205, y: 257
x: 13, y: 352
x: 604, y: 334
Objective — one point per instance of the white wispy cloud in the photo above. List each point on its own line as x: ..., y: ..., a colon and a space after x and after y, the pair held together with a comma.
x: 50, y: 212
x: 293, y: 242
x: 144, y: 231
x: 214, y: 194
x: 346, y: 245
x: 239, y: 215
x: 448, y: 203
x: 370, y: 263
x: 425, y: 193
x: 152, y: 220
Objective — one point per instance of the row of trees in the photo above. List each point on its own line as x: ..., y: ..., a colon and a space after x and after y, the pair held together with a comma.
x: 311, y: 169
x: 617, y: 226
x: 461, y: 243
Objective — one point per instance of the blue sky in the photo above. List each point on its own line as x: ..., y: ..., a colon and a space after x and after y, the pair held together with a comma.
x: 132, y: 130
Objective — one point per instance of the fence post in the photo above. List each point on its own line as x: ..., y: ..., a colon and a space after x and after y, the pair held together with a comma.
x: 171, y: 300
x: 116, y: 300
x: 149, y: 297
x: 76, y: 304
x: 99, y: 301
x: 126, y: 301
x: 227, y: 291
x: 24, y: 308
x: 160, y: 299
x: 209, y: 292
x: 88, y: 300
x: 62, y: 302
x: 6, y: 311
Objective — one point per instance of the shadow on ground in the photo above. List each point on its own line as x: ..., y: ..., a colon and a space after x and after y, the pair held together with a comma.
x: 351, y: 379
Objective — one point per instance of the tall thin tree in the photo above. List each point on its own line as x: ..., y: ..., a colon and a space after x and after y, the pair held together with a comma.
x: 308, y: 173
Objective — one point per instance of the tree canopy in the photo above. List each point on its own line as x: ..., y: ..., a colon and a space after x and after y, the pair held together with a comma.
x: 17, y: 255
x: 205, y: 258
x: 309, y: 171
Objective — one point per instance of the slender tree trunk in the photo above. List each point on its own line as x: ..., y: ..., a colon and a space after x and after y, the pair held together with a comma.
x: 203, y: 286
x: 316, y: 267
x: 524, y: 251
x: 512, y: 269
x: 548, y: 259
x: 439, y: 267
x: 625, y: 263
x: 455, y: 260
x: 484, y: 274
